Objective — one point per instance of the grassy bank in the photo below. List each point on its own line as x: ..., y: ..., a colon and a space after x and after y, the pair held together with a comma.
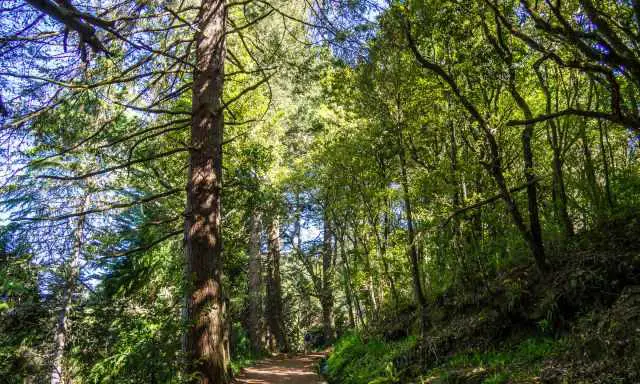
x: 579, y: 323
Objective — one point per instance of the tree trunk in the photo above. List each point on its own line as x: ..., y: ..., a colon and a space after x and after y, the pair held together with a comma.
x: 590, y: 175
x: 605, y: 165
x: 383, y: 243
x: 347, y: 283
x: 255, y: 285
x: 559, y: 189
x: 535, y: 238
x: 354, y: 293
x: 372, y: 301
x: 71, y: 274
x: 204, y: 343
x: 326, y: 296
x: 383, y: 256
x: 275, y: 319
x: 561, y: 193
x: 421, y: 301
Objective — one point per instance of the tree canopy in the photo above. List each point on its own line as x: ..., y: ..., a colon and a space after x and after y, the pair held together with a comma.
x: 188, y: 186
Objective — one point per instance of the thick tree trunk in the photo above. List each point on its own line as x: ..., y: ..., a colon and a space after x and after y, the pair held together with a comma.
x: 71, y: 274
x: 275, y: 319
x: 205, y: 341
x: 255, y: 285
x: 326, y: 296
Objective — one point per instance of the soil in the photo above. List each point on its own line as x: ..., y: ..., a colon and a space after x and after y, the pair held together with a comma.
x: 282, y: 369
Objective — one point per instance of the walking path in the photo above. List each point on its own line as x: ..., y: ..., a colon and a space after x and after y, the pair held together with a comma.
x: 297, y: 369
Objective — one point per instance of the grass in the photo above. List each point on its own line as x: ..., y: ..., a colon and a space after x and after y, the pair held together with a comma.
x: 356, y: 361
x: 519, y: 363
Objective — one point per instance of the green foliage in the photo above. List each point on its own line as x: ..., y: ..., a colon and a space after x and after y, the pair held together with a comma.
x: 129, y: 330
x: 423, y: 123
x: 520, y: 362
x: 24, y: 325
x: 242, y: 354
x: 356, y: 360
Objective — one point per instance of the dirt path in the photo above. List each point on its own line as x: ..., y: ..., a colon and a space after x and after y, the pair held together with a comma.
x: 296, y: 369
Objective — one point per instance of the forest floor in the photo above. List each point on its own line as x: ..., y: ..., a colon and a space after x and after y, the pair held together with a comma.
x: 282, y: 369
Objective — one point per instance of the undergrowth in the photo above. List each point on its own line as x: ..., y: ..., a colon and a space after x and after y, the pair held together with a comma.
x: 356, y: 359
x: 575, y: 324
x: 514, y: 363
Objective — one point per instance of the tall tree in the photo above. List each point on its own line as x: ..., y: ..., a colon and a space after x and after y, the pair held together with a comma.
x: 204, y: 341
x: 71, y: 271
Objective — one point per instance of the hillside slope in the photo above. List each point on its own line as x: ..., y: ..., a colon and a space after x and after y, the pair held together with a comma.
x: 579, y: 323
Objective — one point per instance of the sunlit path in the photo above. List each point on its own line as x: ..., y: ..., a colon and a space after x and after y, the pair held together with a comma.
x: 297, y: 369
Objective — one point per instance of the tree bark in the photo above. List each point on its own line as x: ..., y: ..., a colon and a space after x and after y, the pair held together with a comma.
x: 71, y: 274
x: 354, y: 291
x: 275, y: 318
x: 255, y: 285
x: 205, y: 342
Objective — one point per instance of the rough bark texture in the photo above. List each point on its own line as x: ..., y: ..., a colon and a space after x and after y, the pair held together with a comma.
x: 274, y: 290
x: 205, y: 340
x: 254, y: 319
x: 71, y: 272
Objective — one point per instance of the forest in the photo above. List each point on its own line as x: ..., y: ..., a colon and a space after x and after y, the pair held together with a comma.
x: 320, y: 191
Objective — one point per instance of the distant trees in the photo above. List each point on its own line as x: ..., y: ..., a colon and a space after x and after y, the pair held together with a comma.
x: 255, y: 321
x: 157, y: 70
x: 228, y: 185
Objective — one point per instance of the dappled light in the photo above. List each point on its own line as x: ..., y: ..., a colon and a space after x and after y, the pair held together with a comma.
x: 283, y: 369
x: 320, y: 192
